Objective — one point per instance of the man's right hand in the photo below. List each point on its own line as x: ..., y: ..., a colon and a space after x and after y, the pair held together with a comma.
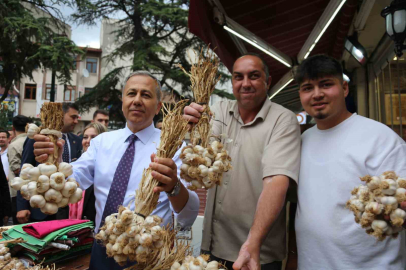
x: 23, y: 216
x: 43, y: 147
x: 192, y: 113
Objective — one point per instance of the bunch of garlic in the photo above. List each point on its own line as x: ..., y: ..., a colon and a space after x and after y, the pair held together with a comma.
x: 380, y: 197
x: 199, y: 263
x: 127, y: 235
x: 46, y: 186
x: 204, y: 167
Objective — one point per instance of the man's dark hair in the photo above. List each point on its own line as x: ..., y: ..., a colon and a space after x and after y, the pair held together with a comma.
x: 5, y: 131
x: 265, y: 66
x: 66, y: 106
x: 20, y: 121
x: 100, y: 111
x: 317, y: 67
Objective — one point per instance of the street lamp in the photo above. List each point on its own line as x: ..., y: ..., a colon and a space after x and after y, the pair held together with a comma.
x: 395, y: 17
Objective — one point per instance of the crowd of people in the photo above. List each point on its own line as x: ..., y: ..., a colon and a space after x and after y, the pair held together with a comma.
x: 245, y: 218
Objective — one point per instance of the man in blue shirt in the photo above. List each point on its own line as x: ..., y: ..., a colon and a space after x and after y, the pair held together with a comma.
x: 107, y: 160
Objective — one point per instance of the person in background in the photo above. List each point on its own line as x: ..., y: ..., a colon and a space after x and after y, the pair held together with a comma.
x: 4, y: 141
x: 158, y: 124
x: 5, y: 202
x: 85, y: 208
x: 15, y: 151
x: 102, y: 117
x: 71, y: 152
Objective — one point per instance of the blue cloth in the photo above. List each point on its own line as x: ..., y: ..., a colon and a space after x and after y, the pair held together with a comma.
x: 120, y: 181
x: 75, y: 143
x: 99, y: 163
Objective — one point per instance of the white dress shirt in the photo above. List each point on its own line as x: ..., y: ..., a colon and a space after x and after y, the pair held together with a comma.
x: 4, y: 160
x: 98, y: 165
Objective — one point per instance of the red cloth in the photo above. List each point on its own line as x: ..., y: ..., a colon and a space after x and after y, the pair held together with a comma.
x: 42, y: 229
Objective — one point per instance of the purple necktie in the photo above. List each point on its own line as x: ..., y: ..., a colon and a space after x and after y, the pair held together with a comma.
x: 119, y: 185
x: 65, y: 154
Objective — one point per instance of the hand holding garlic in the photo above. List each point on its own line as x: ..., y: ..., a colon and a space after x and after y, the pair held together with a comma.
x: 43, y: 147
x: 375, y: 205
x: 165, y: 171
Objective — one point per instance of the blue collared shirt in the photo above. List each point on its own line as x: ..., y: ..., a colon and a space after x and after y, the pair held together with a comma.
x: 98, y: 165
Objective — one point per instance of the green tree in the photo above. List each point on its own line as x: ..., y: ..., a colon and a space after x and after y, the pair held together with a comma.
x: 32, y: 35
x: 153, y: 34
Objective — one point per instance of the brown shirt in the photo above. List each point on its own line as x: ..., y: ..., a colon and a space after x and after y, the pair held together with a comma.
x: 269, y: 145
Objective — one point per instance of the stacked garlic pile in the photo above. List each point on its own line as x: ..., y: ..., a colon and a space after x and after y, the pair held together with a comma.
x: 46, y: 186
x: 380, y: 198
x: 199, y: 263
x: 127, y: 235
x: 5, y: 255
x: 204, y: 167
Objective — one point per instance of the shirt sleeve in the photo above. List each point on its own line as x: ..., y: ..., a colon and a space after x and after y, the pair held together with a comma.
x: 14, y: 159
x: 394, y: 161
x: 188, y: 215
x: 83, y: 168
x: 282, y: 153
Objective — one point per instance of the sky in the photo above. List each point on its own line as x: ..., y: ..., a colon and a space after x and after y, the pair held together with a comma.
x: 83, y: 35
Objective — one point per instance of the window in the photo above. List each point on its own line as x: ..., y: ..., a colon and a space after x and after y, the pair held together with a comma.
x: 87, y: 90
x: 30, y: 91
x: 48, y: 92
x: 69, y: 93
x: 74, y: 65
x: 91, y: 65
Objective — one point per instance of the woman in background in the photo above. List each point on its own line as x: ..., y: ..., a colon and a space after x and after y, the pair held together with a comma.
x: 85, y: 208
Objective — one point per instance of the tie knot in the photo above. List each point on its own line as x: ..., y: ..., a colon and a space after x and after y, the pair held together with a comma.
x: 131, y: 138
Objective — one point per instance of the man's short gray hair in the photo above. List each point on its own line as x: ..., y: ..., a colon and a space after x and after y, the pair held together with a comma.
x: 146, y: 73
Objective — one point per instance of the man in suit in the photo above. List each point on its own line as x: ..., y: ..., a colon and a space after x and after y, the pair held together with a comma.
x: 72, y: 151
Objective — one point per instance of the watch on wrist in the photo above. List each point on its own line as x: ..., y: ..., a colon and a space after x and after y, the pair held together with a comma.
x: 175, y: 191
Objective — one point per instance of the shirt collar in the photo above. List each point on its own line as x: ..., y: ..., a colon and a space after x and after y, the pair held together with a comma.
x: 143, y: 135
x: 260, y: 115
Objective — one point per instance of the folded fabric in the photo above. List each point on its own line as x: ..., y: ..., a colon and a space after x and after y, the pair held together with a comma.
x: 42, y: 229
x: 36, y: 245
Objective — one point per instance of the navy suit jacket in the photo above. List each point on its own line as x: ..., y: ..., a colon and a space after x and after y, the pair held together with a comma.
x: 28, y: 156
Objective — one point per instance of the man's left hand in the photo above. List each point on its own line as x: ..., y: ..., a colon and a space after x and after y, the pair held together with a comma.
x: 248, y: 258
x: 165, y: 171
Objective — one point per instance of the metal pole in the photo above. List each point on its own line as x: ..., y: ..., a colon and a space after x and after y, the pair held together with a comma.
x: 52, y: 94
x: 400, y: 101
x: 390, y: 95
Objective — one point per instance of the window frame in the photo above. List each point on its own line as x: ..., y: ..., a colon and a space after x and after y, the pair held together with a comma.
x: 92, y: 65
x: 30, y: 86
x: 69, y: 88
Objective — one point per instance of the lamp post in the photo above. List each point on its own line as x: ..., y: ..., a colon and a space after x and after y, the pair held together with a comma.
x: 395, y: 17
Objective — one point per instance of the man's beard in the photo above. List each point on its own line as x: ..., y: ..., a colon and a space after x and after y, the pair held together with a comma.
x: 2, y: 145
x: 320, y: 115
